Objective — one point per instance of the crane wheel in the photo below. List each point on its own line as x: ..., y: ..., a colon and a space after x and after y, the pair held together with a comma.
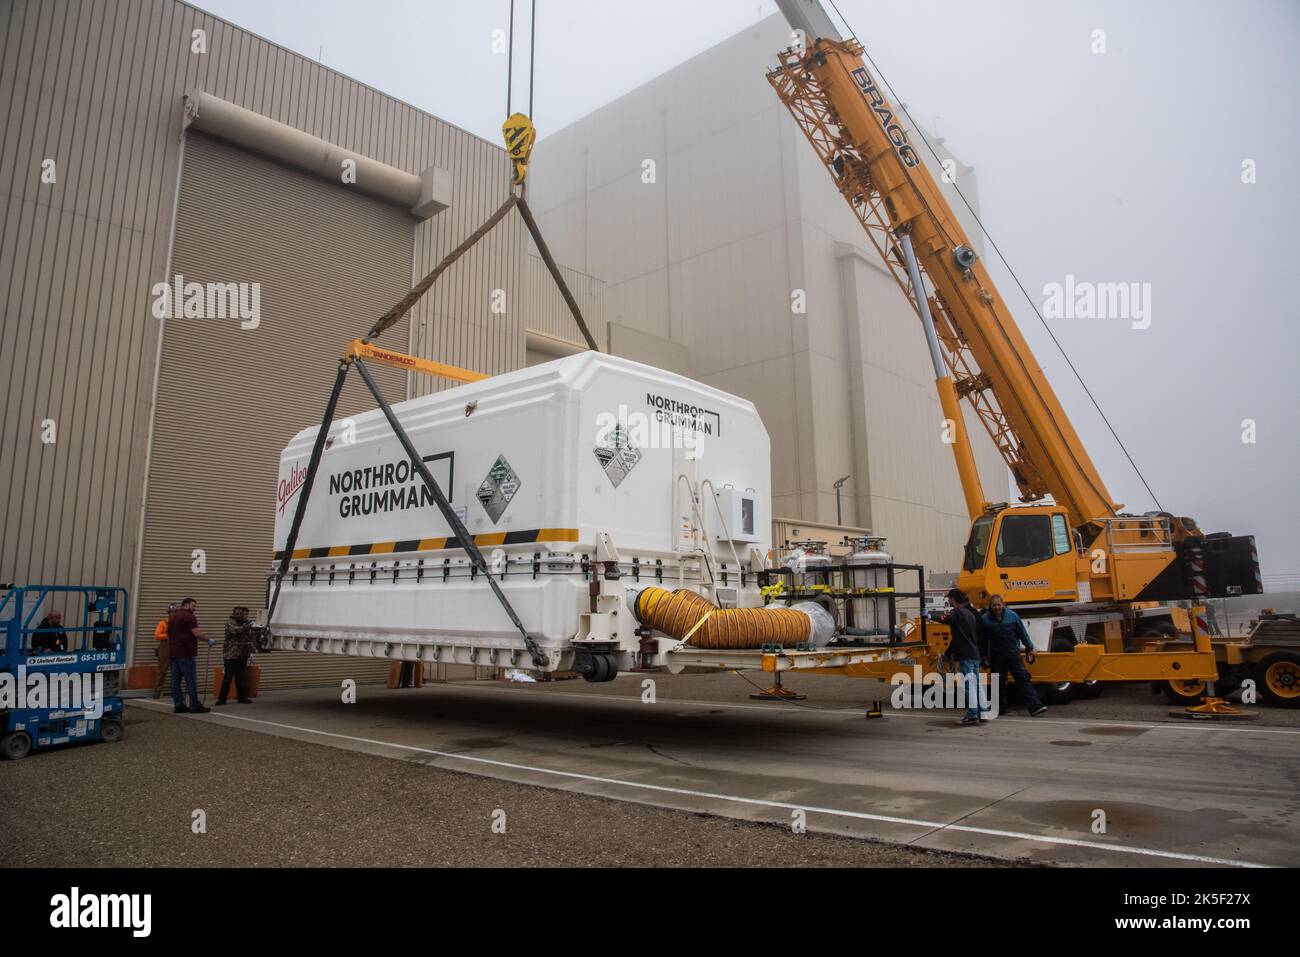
x: 1187, y: 692
x: 1087, y: 690
x: 1278, y: 679
x: 15, y: 745
x: 112, y: 730
x: 1061, y: 692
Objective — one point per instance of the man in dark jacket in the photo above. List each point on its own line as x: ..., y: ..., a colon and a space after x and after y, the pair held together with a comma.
x: 183, y: 637
x: 965, y: 648
x: 49, y: 636
x: 235, y: 654
x: 1006, y: 634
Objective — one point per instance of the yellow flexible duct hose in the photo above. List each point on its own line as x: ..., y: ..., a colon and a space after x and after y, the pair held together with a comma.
x: 676, y: 613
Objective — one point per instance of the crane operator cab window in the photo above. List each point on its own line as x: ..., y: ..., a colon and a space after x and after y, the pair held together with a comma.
x: 1021, y: 540
x: 977, y: 546
x: 1060, y: 535
x: 1024, y: 540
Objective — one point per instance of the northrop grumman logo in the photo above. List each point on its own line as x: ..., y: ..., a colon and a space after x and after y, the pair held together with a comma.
x: 886, y: 116
x: 390, y: 486
x: 77, y: 910
x: 685, y: 415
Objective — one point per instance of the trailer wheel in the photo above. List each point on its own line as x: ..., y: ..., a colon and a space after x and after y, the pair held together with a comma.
x: 602, y: 668
x: 15, y: 745
x: 609, y: 670
x: 112, y: 730
x: 1278, y: 679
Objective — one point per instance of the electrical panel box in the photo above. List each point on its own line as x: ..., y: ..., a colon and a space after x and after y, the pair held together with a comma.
x: 740, y: 514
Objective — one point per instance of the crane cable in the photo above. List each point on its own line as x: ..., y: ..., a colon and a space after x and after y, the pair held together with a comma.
x: 532, y: 50
x: 510, y: 55
x: 989, y: 236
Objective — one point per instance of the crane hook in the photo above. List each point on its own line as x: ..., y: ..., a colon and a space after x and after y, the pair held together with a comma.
x: 520, y: 134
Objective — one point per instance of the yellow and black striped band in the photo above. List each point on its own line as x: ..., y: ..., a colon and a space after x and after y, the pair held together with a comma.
x: 520, y: 537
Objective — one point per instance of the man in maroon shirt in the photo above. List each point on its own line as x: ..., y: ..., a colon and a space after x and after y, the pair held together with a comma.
x: 183, y: 637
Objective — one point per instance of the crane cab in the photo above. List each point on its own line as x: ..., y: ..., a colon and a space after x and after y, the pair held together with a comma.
x: 1025, y: 554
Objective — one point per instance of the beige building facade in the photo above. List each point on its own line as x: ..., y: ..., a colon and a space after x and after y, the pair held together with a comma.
x: 722, y: 250
x: 141, y: 451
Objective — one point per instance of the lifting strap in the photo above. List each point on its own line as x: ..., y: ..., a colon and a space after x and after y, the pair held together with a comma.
x: 417, y: 292
x: 554, y: 270
x: 313, y: 464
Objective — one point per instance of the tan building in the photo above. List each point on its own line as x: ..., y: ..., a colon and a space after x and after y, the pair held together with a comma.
x: 141, y: 452
x: 700, y: 208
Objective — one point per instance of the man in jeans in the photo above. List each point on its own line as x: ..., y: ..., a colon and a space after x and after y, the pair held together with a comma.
x: 183, y: 636
x: 234, y: 656
x: 1006, y: 634
x: 965, y: 650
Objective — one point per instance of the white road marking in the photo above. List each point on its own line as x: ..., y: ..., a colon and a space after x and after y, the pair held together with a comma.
x: 858, y: 712
x: 757, y: 802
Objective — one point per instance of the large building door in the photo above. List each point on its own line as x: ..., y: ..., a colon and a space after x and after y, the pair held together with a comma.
x: 327, y: 261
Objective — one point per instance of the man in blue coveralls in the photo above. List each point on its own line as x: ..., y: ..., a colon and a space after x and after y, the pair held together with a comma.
x: 1005, y: 634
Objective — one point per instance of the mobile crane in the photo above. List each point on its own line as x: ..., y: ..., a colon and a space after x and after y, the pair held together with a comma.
x: 1089, y: 579
x: 1085, y: 576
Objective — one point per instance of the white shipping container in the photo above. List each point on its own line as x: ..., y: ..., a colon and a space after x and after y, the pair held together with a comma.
x: 587, y: 457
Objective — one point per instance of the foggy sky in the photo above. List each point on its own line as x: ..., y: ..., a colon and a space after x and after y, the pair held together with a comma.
x: 1117, y: 167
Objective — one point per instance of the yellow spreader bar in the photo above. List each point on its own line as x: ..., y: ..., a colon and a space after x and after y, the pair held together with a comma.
x: 367, y: 350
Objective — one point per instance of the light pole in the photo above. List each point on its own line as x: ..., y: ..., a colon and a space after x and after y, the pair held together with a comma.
x: 839, y: 483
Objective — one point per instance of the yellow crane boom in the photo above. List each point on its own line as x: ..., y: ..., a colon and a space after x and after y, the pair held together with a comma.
x: 858, y: 134
x: 1075, y: 545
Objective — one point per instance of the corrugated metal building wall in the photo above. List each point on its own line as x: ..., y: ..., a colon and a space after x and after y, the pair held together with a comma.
x: 230, y: 398
x: 97, y: 88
